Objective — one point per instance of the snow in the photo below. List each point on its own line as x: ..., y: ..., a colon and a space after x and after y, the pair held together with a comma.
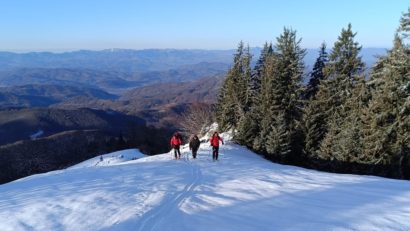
x: 241, y: 191
x: 111, y: 158
x: 36, y: 135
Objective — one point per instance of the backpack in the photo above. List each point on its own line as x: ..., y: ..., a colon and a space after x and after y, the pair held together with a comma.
x: 215, y: 141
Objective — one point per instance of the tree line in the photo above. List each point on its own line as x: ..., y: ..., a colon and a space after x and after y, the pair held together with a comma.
x: 343, y: 120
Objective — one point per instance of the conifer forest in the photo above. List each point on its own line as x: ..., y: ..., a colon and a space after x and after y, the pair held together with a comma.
x: 346, y: 118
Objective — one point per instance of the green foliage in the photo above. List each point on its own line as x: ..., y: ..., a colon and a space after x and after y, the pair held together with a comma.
x: 346, y: 128
x: 344, y: 58
x: 278, y: 141
x: 405, y: 24
x: 233, y: 101
x: 280, y: 97
x: 388, y: 123
x: 317, y: 73
x: 314, y: 118
x: 326, y: 112
x: 249, y: 126
x: 340, y: 122
x: 258, y: 73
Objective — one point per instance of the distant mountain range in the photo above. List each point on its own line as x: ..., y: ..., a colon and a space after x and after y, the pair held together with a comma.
x: 121, y: 60
x: 117, y: 71
x: 158, y: 104
x: 147, y: 83
x: 131, y: 61
x: 45, y: 95
x: 113, y: 82
x: 36, y: 111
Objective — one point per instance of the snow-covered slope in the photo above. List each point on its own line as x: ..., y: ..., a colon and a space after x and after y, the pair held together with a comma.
x: 111, y: 158
x: 239, y: 192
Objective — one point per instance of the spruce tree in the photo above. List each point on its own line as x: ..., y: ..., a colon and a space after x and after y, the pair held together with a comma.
x: 344, y: 60
x: 225, y: 109
x: 264, y: 108
x: 404, y: 28
x: 348, y: 145
x: 258, y: 70
x: 313, y: 116
x: 249, y: 127
x: 324, y: 114
x: 257, y: 74
x: 233, y: 100
x: 280, y: 132
x: 317, y: 73
x: 279, y: 138
x: 315, y: 119
x: 388, y: 124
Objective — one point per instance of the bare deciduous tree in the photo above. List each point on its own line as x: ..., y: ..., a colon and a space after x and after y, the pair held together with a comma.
x: 196, y: 118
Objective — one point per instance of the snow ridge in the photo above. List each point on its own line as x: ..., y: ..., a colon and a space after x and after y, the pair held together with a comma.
x: 241, y: 191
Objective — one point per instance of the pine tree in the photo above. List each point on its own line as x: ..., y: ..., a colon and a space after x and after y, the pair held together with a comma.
x: 264, y: 108
x: 225, y: 109
x: 279, y: 139
x: 233, y: 100
x: 324, y: 114
x: 259, y: 69
x: 315, y: 119
x: 348, y: 143
x: 404, y: 28
x: 346, y: 119
x: 388, y: 124
x: 317, y: 73
x: 249, y: 126
x: 281, y: 92
x: 344, y: 60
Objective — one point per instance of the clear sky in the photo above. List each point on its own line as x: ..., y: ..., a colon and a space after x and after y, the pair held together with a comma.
x: 55, y: 25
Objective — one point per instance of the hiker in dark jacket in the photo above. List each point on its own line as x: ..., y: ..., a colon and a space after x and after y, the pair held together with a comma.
x: 215, y: 145
x: 194, y: 145
x: 176, y: 142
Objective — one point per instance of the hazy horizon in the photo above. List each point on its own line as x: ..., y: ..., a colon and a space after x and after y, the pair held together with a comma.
x: 56, y: 51
x: 69, y: 25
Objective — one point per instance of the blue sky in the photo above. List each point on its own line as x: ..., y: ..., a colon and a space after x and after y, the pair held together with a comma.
x: 37, y: 25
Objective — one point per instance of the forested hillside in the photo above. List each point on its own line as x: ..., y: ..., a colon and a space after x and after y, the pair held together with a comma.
x: 344, y: 120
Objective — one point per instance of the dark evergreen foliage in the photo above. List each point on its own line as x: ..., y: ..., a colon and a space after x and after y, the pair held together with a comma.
x: 249, y: 126
x: 343, y: 121
x: 388, y: 124
x: 405, y: 24
x: 258, y: 70
x: 284, y: 108
x: 317, y: 73
x: 326, y: 112
x: 344, y: 60
x: 234, y: 96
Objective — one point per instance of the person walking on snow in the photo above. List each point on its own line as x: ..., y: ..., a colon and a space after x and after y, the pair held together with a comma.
x: 215, y: 145
x: 194, y: 145
x: 176, y: 142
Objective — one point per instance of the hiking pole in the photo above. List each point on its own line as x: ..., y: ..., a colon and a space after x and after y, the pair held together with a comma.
x: 211, y: 153
x: 220, y: 151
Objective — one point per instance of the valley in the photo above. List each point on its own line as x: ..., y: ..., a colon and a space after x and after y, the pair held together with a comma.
x: 111, y: 97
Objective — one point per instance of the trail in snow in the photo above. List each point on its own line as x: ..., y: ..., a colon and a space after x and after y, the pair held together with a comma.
x: 242, y: 191
x: 156, y: 218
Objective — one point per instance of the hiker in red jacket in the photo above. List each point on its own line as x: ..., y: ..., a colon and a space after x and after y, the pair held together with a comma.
x: 215, y: 145
x: 176, y: 141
